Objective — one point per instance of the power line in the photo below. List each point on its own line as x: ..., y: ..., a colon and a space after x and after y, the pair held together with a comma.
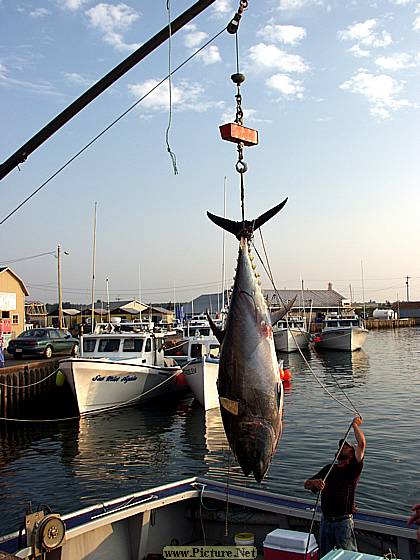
x: 21, y: 259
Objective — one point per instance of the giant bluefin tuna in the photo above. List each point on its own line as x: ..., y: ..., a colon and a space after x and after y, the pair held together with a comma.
x: 249, y: 385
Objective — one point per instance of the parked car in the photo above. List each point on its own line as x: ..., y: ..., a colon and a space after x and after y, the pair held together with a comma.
x: 46, y: 342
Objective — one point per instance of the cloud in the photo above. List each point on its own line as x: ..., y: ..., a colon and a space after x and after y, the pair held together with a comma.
x: 298, y: 4
x: 185, y: 96
x: 74, y: 5
x: 77, y: 79
x: 381, y: 91
x: 287, y: 34
x: 416, y: 23
x: 401, y: 2
x: 209, y: 55
x: 222, y: 7
x: 39, y: 12
x: 287, y: 86
x: 365, y: 34
x: 42, y: 88
x: 193, y: 38
x: 395, y: 62
x: 270, y: 56
x: 357, y: 51
x: 113, y: 21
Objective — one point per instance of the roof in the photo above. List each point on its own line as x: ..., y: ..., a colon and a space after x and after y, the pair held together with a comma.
x: 7, y: 269
x: 306, y: 298
x: 323, y: 299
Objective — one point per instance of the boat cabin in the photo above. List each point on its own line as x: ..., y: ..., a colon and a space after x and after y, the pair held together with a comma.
x: 345, y: 321
x: 146, y: 347
x: 292, y: 323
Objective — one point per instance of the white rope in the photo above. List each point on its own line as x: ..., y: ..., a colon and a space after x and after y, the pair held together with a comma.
x: 353, y: 409
x: 96, y: 411
x: 31, y: 384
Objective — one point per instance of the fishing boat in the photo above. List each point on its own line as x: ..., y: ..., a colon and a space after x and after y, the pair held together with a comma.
x: 341, y: 332
x: 193, y: 512
x: 118, y: 369
x: 291, y: 335
x: 201, y: 375
x: 199, y: 358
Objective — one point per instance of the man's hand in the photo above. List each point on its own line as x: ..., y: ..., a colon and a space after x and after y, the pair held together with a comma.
x: 357, y: 420
x: 317, y: 484
x: 415, y: 518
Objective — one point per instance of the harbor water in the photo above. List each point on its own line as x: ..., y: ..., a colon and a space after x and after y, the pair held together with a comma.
x: 71, y: 464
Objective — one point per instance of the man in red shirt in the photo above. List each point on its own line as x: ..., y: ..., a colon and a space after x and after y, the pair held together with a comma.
x: 338, y: 492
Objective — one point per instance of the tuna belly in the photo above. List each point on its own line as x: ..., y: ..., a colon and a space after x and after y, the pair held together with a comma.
x: 253, y: 442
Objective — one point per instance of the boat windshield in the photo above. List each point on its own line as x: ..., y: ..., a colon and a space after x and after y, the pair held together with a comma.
x: 89, y: 344
x: 132, y: 345
x: 109, y: 345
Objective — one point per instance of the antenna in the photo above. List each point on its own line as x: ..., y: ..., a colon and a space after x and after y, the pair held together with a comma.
x: 93, y: 268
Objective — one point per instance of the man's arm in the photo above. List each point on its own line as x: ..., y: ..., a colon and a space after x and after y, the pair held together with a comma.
x: 360, y: 438
x: 314, y: 484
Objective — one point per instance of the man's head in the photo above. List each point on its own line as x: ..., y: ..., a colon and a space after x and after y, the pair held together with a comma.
x: 347, y: 450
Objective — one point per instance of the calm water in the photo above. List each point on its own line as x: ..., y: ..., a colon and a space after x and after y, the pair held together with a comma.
x: 70, y: 465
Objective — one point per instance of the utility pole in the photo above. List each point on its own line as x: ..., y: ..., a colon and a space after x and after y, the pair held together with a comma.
x: 408, y: 292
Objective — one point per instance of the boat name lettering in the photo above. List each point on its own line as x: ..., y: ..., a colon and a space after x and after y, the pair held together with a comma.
x: 115, y: 378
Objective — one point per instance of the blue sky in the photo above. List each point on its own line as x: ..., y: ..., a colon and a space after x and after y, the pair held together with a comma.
x: 332, y: 87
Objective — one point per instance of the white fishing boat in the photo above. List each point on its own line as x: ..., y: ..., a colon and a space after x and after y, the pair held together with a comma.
x: 291, y: 335
x: 193, y: 347
x: 119, y: 369
x: 201, y: 375
x: 194, y: 512
x: 341, y: 332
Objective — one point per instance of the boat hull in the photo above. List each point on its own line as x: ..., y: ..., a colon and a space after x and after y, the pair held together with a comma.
x: 343, y: 339
x: 100, y: 385
x: 201, y: 375
x: 291, y: 340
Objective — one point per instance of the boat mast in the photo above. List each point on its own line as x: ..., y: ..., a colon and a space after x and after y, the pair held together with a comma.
x: 93, y: 269
x: 363, y: 292
x: 107, y: 301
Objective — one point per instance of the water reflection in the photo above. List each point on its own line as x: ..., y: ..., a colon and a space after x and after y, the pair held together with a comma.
x: 346, y: 368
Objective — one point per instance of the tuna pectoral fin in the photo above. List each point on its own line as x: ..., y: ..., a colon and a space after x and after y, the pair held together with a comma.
x: 229, y: 405
x: 218, y: 333
x: 277, y: 315
x: 246, y: 228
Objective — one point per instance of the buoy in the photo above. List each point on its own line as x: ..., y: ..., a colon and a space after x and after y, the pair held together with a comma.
x: 244, y: 539
x: 60, y: 378
x: 287, y: 375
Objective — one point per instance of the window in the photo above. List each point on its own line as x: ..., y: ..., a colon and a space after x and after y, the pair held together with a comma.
x: 159, y: 344
x: 214, y: 350
x: 5, y: 314
x: 89, y: 344
x: 148, y: 347
x: 109, y: 345
x: 132, y: 345
x: 15, y: 319
x: 196, y: 350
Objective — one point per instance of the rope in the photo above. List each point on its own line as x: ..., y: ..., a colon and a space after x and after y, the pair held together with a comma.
x: 319, y: 493
x: 353, y: 409
x: 96, y: 411
x: 31, y: 384
x: 168, y: 147
x: 114, y: 122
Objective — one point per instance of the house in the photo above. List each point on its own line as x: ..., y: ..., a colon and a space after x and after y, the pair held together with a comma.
x: 12, y: 304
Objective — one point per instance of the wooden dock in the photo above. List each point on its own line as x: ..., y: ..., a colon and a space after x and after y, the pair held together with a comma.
x: 29, y: 389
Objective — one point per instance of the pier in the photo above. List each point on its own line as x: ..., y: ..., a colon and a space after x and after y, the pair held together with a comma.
x: 28, y: 388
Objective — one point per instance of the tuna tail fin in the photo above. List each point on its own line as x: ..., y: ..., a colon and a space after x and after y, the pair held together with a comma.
x: 218, y: 333
x: 277, y: 315
x: 246, y: 228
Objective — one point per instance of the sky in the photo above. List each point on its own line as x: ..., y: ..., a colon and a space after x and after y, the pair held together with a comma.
x: 332, y: 86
